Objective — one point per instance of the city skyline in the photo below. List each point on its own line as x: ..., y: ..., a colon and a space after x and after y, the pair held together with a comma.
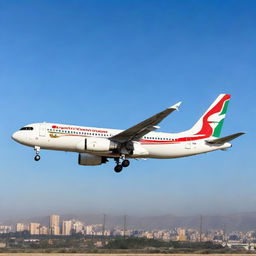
x: 112, y: 64
x: 73, y: 227
x: 55, y: 224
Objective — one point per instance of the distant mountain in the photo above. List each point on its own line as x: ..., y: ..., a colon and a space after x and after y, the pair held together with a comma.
x: 230, y: 222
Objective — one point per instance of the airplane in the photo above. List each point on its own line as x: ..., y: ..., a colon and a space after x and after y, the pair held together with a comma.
x: 96, y: 146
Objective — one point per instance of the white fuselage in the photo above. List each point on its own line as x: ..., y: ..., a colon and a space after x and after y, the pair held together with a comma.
x: 69, y: 138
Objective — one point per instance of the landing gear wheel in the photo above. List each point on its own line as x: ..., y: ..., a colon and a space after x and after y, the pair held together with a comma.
x: 118, y: 168
x: 37, y: 149
x: 37, y: 158
x: 125, y: 163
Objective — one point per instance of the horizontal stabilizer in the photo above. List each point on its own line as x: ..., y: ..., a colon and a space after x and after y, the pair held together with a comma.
x: 225, y: 139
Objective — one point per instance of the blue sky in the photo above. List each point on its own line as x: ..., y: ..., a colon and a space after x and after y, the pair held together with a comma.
x: 112, y: 64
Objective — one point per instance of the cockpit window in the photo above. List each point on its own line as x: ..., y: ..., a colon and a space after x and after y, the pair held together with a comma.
x: 26, y: 128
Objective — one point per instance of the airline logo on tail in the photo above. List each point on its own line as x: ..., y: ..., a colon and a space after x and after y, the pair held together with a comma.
x: 210, y: 124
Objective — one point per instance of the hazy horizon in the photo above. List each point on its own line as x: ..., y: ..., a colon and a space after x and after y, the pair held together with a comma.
x: 77, y: 215
x: 230, y: 222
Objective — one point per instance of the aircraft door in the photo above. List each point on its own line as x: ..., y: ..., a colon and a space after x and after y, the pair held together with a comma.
x: 188, y: 144
x: 42, y: 130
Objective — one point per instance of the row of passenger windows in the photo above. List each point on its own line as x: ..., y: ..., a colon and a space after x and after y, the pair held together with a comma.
x: 26, y: 128
x: 156, y: 138
x: 98, y: 134
x: 81, y: 133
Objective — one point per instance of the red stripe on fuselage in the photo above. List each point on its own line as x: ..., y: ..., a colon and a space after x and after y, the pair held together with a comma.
x: 183, y: 139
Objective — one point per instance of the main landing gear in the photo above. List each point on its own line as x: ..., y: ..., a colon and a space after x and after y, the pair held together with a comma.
x: 37, y: 156
x: 120, y: 163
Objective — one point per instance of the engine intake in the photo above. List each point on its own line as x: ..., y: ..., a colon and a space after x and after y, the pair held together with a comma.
x: 88, y: 159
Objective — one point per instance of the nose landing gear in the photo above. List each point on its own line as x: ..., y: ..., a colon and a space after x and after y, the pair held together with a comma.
x: 119, y: 166
x: 37, y: 156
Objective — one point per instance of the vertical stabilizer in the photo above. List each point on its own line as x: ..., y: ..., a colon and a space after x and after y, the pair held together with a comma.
x: 211, y: 122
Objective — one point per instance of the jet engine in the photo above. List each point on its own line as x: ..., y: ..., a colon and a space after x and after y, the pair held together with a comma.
x: 97, y: 145
x: 88, y: 159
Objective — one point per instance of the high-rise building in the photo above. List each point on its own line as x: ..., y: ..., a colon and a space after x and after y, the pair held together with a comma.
x: 66, y: 227
x: 20, y: 227
x: 5, y: 229
x: 78, y: 226
x: 181, y: 234
x: 34, y: 228
x: 89, y: 230
x: 55, y: 225
x: 43, y: 230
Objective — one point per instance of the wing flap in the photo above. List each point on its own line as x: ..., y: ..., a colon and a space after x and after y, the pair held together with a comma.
x: 225, y: 139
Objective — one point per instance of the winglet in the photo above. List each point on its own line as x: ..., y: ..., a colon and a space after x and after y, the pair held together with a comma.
x: 176, y: 106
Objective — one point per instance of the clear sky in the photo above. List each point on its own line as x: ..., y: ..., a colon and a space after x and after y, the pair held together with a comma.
x: 112, y: 64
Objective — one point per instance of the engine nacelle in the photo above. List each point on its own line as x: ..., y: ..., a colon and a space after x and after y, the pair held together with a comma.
x: 88, y: 159
x: 96, y: 145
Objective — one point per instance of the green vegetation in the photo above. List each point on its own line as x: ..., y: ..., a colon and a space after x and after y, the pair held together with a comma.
x: 140, y: 243
x: 80, y: 244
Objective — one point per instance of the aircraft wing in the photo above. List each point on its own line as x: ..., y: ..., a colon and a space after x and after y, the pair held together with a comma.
x: 144, y: 127
x: 225, y: 139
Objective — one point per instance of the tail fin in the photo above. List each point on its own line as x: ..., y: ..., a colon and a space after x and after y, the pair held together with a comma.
x: 210, y: 123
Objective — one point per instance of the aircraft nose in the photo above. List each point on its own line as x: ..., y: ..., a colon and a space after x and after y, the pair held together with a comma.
x: 15, y: 136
